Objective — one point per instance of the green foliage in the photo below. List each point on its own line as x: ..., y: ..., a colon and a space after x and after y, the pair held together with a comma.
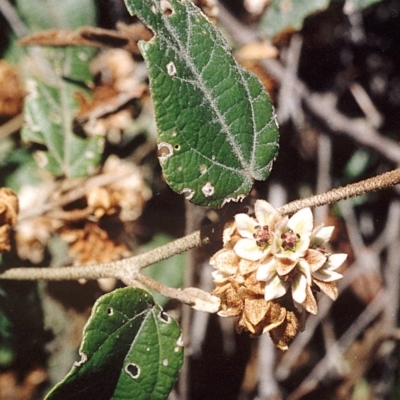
x: 131, y: 350
x: 282, y: 15
x: 217, y: 130
x: 52, y: 101
x: 49, y: 14
x: 49, y: 113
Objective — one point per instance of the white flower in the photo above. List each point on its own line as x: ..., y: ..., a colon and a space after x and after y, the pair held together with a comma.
x: 276, y: 285
x: 327, y: 272
x: 256, y: 233
x: 292, y: 239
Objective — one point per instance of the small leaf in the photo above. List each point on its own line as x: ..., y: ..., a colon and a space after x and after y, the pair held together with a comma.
x: 283, y: 15
x: 131, y: 350
x: 49, y: 114
x: 217, y: 129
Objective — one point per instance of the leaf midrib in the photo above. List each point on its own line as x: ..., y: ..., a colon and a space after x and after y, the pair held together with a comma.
x: 204, y: 89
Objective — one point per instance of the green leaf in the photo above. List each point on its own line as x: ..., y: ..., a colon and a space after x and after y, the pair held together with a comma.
x: 217, y: 129
x: 50, y: 110
x: 131, y: 349
x: 282, y: 15
x: 50, y: 14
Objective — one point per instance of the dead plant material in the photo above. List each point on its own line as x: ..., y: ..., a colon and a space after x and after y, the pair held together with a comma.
x: 8, y: 216
x: 125, y: 37
x: 92, y: 244
x: 11, y: 93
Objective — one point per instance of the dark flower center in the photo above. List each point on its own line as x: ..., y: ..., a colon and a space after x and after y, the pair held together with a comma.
x: 262, y: 236
x: 289, y: 240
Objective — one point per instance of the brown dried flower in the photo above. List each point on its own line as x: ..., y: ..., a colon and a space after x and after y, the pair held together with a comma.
x: 91, y: 244
x: 8, y: 216
x: 129, y: 194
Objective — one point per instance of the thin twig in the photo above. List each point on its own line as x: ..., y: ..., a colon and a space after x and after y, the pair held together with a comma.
x: 119, y: 269
x: 195, y: 239
x: 194, y: 297
x: 378, y: 182
x: 11, y: 126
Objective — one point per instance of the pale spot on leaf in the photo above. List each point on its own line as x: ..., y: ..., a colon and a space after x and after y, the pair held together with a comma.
x: 133, y: 370
x: 171, y: 69
x: 208, y: 189
x: 189, y: 193
x: 165, y: 151
x: 83, y: 359
x: 164, y: 317
x: 166, y: 7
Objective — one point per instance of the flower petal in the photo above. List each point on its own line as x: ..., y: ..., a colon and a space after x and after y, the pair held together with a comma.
x: 246, y: 225
x: 284, y: 264
x: 327, y: 275
x: 329, y: 288
x: 321, y: 235
x: 310, y: 303
x: 302, y: 222
x: 299, y: 287
x: 335, y: 261
x: 275, y: 288
x: 264, y: 211
x: 266, y: 270
x: 315, y: 259
x: 219, y: 277
x: 304, y: 268
x: 248, y: 249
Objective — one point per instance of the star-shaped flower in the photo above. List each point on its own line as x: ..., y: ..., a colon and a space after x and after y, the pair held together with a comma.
x: 293, y: 237
x: 256, y: 233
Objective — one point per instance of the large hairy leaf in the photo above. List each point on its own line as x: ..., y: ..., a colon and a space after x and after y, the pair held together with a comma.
x: 131, y: 349
x: 217, y: 130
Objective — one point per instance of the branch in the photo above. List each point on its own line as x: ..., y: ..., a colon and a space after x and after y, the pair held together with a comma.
x: 378, y: 182
x: 117, y: 269
x: 194, y: 297
x: 123, y: 269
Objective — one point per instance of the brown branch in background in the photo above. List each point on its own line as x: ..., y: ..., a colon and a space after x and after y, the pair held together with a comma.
x: 126, y: 37
x: 385, y: 180
x: 322, y: 105
x: 123, y: 268
x: 11, y: 126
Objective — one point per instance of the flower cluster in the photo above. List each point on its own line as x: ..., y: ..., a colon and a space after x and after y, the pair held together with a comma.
x: 269, y: 269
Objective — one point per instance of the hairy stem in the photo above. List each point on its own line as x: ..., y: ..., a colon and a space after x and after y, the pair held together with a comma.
x: 126, y: 268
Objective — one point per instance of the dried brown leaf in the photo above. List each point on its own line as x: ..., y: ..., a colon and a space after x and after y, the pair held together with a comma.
x: 286, y: 332
x: 11, y: 91
x: 126, y: 37
x: 91, y: 244
x: 8, y: 216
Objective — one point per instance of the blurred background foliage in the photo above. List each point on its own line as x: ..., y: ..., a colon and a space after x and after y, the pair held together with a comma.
x: 78, y: 145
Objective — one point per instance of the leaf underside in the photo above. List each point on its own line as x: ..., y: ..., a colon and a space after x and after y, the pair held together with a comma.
x: 131, y: 349
x: 216, y: 124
